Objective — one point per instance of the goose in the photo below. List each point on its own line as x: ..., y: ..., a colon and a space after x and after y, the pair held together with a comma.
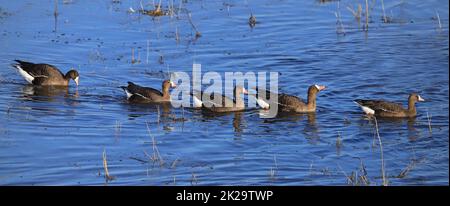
x: 139, y: 94
x: 383, y: 108
x: 237, y: 104
x: 290, y: 103
x: 45, y: 74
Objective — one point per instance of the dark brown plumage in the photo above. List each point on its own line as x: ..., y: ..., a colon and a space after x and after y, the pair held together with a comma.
x: 45, y: 74
x: 289, y: 103
x: 139, y: 94
x: 383, y: 108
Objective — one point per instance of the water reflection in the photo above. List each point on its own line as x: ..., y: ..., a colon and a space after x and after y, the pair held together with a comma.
x: 390, y: 123
x: 136, y: 110
x: 310, y: 129
x: 48, y: 93
x: 237, y: 119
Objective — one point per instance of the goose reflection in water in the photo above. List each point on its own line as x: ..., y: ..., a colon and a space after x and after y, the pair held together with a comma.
x: 50, y: 94
x: 310, y: 130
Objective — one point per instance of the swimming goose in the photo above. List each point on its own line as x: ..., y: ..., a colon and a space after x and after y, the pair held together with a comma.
x: 45, y: 74
x: 389, y: 109
x: 289, y: 103
x: 139, y: 94
x: 215, y: 105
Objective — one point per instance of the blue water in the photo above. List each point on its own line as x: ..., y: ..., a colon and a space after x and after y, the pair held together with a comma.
x: 58, y: 138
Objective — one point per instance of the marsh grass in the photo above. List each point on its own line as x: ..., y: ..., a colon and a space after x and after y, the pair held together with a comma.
x: 108, y: 177
x: 339, y: 141
x: 174, y: 163
x: 135, y: 60
x: 357, y: 13
x: 273, y: 170
x: 366, y: 26
x: 55, y: 11
x: 148, y: 50
x: 177, y: 36
x: 384, y: 13
x: 156, y: 156
x: 339, y: 25
x: 118, y: 126
x: 194, y: 179
x: 358, y: 177
x: 157, y: 11
x: 408, y: 168
x: 197, y: 33
x: 429, y: 123
x: 383, y: 172
x: 439, y: 19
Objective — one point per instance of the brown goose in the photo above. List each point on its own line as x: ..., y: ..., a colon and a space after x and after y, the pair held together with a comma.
x: 139, y: 94
x: 289, y: 103
x: 389, y: 109
x: 226, y: 105
x: 45, y: 74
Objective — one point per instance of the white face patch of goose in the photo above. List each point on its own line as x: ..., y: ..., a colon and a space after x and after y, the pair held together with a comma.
x: 420, y: 98
x: 317, y: 86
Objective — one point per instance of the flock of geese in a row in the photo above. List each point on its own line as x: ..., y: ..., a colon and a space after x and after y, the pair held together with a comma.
x: 48, y: 75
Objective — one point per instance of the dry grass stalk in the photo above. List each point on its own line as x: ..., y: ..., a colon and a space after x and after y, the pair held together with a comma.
x: 439, y: 19
x: 384, y: 13
x: 55, y: 13
x: 367, y: 16
x: 177, y: 36
x: 194, y: 179
x: 429, y: 123
x: 132, y: 56
x: 105, y: 166
x: 339, y: 141
x: 405, y: 171
x: 197, y: 33
x: 148, y: 50
x: 174, y: 163
x: 356, y: 14
x: 383, y: 173
x: 117, y: 127
x: 340, y: 28
x: 156, y: 155
x: 179, y: 8
x: 273, y: 171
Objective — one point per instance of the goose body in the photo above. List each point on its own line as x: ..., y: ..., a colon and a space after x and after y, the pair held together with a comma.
x: 45, y: 74
x: 383, y: 108
x: 140, y: 94
x: 290, y: 103
x: 220, y: 103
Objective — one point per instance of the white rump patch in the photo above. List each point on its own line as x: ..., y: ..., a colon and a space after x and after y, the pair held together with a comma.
x: 24, y: 74
x: 368, y: 110
x: 197, y: 103
x: 262, y: 103
x: 128, y: 93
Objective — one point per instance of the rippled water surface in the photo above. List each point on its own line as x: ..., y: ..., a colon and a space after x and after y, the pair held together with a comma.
x: 57, y: 137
